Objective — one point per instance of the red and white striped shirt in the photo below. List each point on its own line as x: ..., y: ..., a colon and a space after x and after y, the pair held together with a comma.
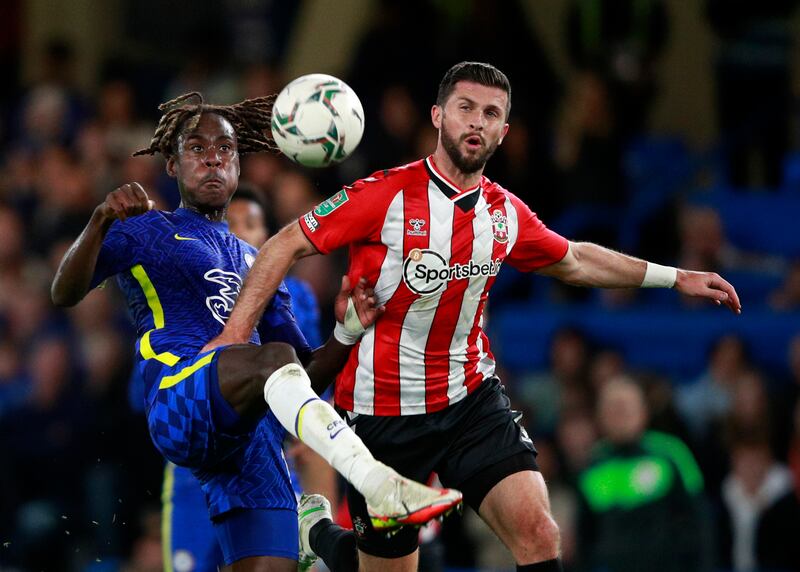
x: 432, y: 251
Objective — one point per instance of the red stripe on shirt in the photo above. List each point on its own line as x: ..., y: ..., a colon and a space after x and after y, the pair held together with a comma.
x: 437, y: 350
x: 388, y: 329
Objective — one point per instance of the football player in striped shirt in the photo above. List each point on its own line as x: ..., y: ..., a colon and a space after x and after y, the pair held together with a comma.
x: 222, y: 412
x: 420, y: 386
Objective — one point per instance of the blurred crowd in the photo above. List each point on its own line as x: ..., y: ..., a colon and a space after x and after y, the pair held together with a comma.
x: 718, y: 473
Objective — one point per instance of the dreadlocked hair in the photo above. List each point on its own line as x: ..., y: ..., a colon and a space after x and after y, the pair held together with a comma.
x: 250, y: 120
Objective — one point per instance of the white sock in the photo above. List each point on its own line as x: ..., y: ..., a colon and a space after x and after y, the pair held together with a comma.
x: 301, y: 412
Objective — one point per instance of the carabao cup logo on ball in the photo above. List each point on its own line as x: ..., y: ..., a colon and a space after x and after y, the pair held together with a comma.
x: 426, y: 272
x: 317, y: 120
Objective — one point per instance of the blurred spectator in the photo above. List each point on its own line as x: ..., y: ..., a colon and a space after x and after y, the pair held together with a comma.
x: 589, y: 151
x: 64, y: 186
x: 752, y: 71
x: 787, y: 297
x: 561, y: 389
x: 116, y: 115
x: 42, y: 444
x: 760, y: 510
x: 393, y: 135
x: 705, y: 247
x: 621, y: 39
x: 576, y: 436
x: 51, y: 110
x: 709, y: 397
x: 291, y: 196
x: 642, y: 504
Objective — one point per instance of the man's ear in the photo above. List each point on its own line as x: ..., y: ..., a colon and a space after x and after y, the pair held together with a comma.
x: 436, y: 116
x: 505, y: 132
x: 171, y: 168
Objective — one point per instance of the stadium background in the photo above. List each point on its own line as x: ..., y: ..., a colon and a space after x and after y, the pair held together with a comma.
x: 665, y: 128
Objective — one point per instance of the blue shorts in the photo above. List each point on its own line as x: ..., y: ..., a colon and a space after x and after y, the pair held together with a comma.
x: 245, y: 533
x: 190, y: 543
x: 193, y: 426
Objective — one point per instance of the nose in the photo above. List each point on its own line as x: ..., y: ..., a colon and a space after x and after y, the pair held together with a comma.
x: 212, y: 157
x: 476, y: 121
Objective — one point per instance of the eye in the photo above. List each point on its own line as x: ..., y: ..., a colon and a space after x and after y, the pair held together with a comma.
x: 196, y: 148
x: 492, y: 113
x: 225, y: 147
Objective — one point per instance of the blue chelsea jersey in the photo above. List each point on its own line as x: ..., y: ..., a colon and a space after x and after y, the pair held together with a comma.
x: 181, y: 275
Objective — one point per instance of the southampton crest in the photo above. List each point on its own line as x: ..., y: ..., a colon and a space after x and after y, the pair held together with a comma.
x: 500, y: 226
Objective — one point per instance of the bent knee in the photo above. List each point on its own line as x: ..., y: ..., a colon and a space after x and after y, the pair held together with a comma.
x: 274, y: 355
x: 538, y: 537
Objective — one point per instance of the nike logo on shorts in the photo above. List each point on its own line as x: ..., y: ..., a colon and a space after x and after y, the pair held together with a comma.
x: 179, y: 237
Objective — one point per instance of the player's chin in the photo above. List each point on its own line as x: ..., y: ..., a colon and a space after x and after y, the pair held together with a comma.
x: 214, y: 194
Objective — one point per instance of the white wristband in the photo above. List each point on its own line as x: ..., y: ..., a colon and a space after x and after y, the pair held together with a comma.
x: 345, y: 336
x: 657, y: 276
x: 349, y: 332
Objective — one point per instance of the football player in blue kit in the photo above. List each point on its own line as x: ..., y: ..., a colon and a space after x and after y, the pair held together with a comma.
x: 189, y: 542
x: 220, y: 412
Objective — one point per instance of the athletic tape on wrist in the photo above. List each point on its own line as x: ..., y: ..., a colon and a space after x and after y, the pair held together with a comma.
x: 657, y: 276
x: 344, y: 336
x: 349, y: 332
x: 351, y: 320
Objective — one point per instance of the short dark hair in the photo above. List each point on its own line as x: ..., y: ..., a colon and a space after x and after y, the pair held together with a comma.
x: 477, y: 72
x: 251, y: 193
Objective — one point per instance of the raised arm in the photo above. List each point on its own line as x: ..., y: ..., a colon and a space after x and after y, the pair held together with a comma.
x: 587, y: 264
x: 74, y: 274
x: 274, y: 260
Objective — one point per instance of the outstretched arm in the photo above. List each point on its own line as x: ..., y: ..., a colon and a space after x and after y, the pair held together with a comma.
x: 274, y: 260
x: 74, y: 274
x: 587, y: 264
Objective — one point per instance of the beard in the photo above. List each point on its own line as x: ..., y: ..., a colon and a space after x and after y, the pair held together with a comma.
x: 466, y: 163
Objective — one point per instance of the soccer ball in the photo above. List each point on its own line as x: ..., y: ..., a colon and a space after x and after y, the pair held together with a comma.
x: 317, y: 120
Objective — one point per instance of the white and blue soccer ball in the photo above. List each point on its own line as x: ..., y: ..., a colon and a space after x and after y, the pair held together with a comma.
x: 317, y: 120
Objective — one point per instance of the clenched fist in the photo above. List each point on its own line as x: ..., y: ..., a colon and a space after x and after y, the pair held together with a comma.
x: 126, y: 201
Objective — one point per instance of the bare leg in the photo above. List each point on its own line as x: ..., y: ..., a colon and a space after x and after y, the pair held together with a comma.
x: 242, y: 371
x: 518, y: 511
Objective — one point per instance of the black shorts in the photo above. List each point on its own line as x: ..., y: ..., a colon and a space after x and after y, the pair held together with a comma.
x: 472, y: 446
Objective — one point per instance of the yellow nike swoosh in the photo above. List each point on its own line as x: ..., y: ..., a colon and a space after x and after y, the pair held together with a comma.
x: 179, y: 237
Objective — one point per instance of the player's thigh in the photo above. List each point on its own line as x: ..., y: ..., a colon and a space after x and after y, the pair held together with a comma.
x: 370, y: 563
x: 517, y: 509
x: 242, y: 371
x: 262, y: 564
x: 487, y: 443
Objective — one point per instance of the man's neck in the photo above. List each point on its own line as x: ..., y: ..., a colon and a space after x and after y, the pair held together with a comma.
x: 214, y: 215
x: 446, y: 166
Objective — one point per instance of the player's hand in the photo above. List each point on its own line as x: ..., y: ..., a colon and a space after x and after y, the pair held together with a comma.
x: 708, y: 285
x: 129, y: 200
x: 222, y: 340
x: 363, y: 299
